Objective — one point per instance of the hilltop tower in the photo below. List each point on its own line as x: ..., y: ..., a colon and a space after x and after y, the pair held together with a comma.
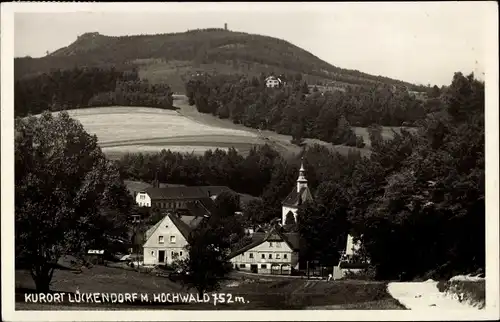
x: 296, y: 198
x: 225, y: 26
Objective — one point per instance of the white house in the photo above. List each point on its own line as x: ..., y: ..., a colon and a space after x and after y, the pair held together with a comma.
x: 166, y: 241
x: 143, y: 199
x: 296, y: 197
x: 273, y: 81
x: 269, y: 253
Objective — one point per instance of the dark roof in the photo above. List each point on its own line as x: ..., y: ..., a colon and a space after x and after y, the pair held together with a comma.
x: 273, y: 235
x: 293, y: 239
x: 297, y: 198
x: 199, y: 192
x: 204, y: 207
x: 185, y: 224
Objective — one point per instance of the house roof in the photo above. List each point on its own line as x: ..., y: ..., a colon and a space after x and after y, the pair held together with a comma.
x: 184, y: 223
x: 295, y: 198
x: 272, y: 235
x: 198, y: 192
x: 151, y: 230
x: 202, y: 207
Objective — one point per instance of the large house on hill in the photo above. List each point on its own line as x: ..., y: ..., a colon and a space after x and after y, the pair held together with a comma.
x: 172, y: 198
x: 273, y: 81
x: 273, y: 252
x: 299, y: 195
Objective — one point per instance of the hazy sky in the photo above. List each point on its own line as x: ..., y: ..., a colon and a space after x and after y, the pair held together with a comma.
x: 416, y: 42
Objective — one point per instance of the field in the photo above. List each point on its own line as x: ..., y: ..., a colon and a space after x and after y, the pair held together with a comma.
x: 136, y: 129
x: 140, y: 129
x: 262, y: 293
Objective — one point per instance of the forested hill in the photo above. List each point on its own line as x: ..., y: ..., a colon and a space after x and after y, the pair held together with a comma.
x: 163, y: 56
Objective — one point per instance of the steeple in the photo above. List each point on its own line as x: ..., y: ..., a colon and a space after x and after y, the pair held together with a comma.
x: 301, y: 181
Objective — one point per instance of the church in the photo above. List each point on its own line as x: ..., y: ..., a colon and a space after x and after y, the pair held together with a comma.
x: 276, y: 251
x: 299, y: 195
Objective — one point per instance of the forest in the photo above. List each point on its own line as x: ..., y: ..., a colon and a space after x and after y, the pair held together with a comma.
x: 292, y: 110
x: 416, y: 203
x: 87, y: 87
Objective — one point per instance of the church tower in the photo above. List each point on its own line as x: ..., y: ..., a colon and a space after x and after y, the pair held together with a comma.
x: 301, y: 181
x: 296, y: 198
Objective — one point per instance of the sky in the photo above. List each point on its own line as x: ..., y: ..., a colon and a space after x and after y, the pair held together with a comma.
x: 418, y: 42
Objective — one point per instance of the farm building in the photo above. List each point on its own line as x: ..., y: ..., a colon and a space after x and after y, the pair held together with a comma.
x: 172, y: 198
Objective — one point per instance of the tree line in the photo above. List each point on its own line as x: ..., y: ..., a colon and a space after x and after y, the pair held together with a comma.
x: 291, y: 110
x: 86, y: 87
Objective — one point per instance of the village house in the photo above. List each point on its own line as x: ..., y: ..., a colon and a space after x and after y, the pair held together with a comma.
x: 273, y: 252
x: 273, y: 81
x: 167, y: 240
x: 299, y: 195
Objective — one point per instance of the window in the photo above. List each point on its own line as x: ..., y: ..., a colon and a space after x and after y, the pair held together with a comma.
x: 153, y: 253
x: 242, y: 265
x: 278, y: 245
x: 284, y: 256
x: 251, y: 255
x: 263, y: 256
x: 270, y: 244
x: 263, y: 266
x: 180, y: 253
x: 270, y: 256
x: 277, y: 256
x: 161, y: 240
x: 172, y: 239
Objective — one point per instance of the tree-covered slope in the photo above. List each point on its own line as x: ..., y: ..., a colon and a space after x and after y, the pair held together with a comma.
x: 198, y: 50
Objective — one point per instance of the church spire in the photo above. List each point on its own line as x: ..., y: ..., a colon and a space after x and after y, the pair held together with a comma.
x: 301, y: 181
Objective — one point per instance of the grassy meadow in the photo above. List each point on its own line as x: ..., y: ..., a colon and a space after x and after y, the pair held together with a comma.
x: 258, y: 292
x: 140, y: 129
x: 136, y: 129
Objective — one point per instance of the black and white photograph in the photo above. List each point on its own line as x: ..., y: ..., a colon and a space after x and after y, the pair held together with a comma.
x: 249, y: 161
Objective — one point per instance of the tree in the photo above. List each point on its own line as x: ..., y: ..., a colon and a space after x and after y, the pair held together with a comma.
x: 323, y: 223
x: 68, y: 196
x: 208, y: 249
x: 375, y: 134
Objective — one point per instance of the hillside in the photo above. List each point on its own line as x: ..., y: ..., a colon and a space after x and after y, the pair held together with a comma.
x: 172, y: 58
